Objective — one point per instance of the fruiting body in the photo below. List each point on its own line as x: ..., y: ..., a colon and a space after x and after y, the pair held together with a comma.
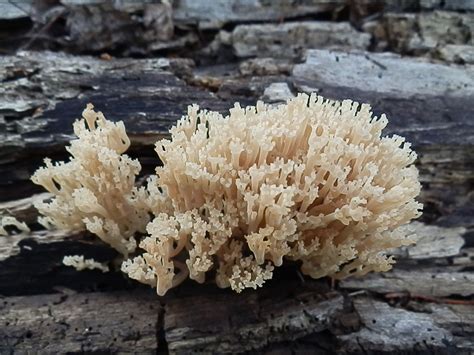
x: 311, y: 181
x: 95, y: 190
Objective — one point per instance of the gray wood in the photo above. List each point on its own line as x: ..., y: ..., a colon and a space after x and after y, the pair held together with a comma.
x: 288, y: 315
x: 42, y: 94
x: 23, y: 209
x: 428, y: 328
x: 220, y: 12
x: 149, y: 97
x: 287, y: 40
x: 434, y: 283
x: 121, y: 322
x: 431, y: 242
x: 44, y: 302
x: 247, y: 322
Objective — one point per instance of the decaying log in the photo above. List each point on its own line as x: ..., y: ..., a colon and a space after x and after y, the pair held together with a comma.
x: 288, y: 316
x: 432, y: 242
x: 251, y: 321
x: 423, y: 305
x: 11, y: 246
x: 292, y: 37
x: 44, y: 92
x: 23, y: 209
x: 432, y: 328
x: 433, y: 283
x: 290, y: 313
x: 221, y: 12
x: 119, y: 322
x: 32, y: 264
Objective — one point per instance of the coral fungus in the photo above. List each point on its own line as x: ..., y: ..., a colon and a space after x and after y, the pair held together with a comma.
x: 311, y: 181
x: 96, y: 188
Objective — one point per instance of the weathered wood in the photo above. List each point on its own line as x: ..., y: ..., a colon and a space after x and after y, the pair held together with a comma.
x: 249, y: 321
x: 417, y: 34
x: 423, y: 306
x: 386, y: 75
x: 221, y: 12
x: 431, y: 242
x: 428, y: 329
x: 465, y: 258
x: 434, y: 283
x: 289, y: 39
x: 120, y: 322
x: 426, y: 103
x: 42, y: 94
x: 32, y: 263
x: 23, y: 209
x: 11, y: 246
x: 287, y: 315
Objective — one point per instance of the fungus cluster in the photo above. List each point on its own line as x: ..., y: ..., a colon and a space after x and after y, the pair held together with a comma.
x: 95, y: 189
x: 312, y: 181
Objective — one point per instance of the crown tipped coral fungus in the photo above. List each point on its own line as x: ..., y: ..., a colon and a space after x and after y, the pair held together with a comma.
x: 96, y: 189
x: 311, y: 181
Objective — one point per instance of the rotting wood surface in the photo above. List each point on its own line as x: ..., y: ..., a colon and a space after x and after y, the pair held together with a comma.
x: 424, y: 305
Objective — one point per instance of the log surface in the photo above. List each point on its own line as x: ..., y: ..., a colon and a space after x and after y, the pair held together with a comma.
x: 424, y: 305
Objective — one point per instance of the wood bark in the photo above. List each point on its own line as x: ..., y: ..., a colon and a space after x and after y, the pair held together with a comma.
x: 424, y: 305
